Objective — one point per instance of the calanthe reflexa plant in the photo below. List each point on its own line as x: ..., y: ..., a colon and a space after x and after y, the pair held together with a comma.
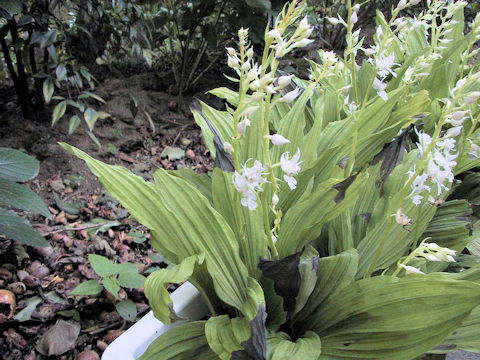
x: 328, y: 228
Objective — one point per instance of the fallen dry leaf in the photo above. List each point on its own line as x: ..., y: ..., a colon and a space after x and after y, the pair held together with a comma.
x: 59, y: 339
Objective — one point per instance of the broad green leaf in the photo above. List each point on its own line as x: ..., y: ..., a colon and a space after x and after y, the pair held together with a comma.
x: 227, y: 94
x: 466, y: 336
x: 389, y: 318
x: 19, y: 229
x: 156, y: 287
x: 102, y: 266
x: 308, y: 347
x: 225, y: 335
x: 303, y: 222
x: 146, y: 204
x: 202, y: 182
x: 111, y: 285
x: 248, y: 225
x: 73, y: 124
x: 91, y: 116
x: 21, y: 197
x: 334, y: 273
x: 59, y: 111
x: 131, y: 280
x: 184, y: 342
x: 17, y: 166
x: 201, y: 223
x: 89, y: 287
x: 48, y: 89
x: 450, y: 227
x: 127, y: 310
x: 308, y: 268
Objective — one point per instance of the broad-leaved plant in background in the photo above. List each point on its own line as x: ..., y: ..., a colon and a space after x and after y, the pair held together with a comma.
x: 326, y: 230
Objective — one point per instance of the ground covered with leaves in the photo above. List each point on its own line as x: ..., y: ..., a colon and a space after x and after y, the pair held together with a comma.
x: 43, y: 319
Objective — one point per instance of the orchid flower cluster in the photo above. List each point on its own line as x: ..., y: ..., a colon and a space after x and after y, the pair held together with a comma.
x: 430, y: 252
x: 266, y: 90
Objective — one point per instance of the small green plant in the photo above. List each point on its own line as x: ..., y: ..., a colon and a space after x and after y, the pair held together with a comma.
x: 113, y: 276
x: 326, y: 230
x: 16, y: 167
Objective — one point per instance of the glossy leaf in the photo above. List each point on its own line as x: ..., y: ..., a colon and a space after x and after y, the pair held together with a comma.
x: 21, y: 197
x: 17, y: 166
x: 19, y: 229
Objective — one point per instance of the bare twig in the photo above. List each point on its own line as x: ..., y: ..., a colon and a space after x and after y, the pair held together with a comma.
x: 91, y: 226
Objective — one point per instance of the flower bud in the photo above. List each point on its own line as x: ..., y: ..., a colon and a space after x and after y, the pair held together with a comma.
x: 266, y: 80
x: 250, y: 111
x: 304, y: 42
x: 369, y: 51
x: 402, y: 4
x: 275, y: 199
x: 454, y: 131
x: 414, y: 2
x: 279, y: 140
x: 354, y: 18
x: 472, y: 97
x: 257, y: 96
x: 412, y: 270
x: 284, y: 81
x: 274, y: 34
x: 246, y: 66
x: 242, y: 126
x: 270, y: 89
x: 333, y: 21
x: 233, y: 62
x: 356, y: 7
x: 231, y: 51
x: 252, y: 74
x: 228, y: 147
x: 255, y: 85
x: 291, y: 96
x: 250, y: 53
x: 458, y: 115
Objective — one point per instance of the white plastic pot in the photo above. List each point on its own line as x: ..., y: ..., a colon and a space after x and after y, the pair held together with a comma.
x: 187, y: 303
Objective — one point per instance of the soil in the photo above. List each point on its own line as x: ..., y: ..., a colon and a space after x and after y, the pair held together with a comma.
x: 76, y: 200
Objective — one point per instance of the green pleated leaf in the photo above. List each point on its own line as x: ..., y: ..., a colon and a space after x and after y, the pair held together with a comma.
x: 247, y: 225
x: 451, y: 225
x: 333, y: 274
x: 19, y: 229
x: 308, y: 347
x: 303, y: 222
x: 17, y: 166
x: 184, y: 342
x: 156, y: 287
x: 183, y: 224
x: 466, y: 336
x: 391, y: 318
x: 21, y: 197
x: 202, y: 182
x: 308, y: 269
x: 225, y: 335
